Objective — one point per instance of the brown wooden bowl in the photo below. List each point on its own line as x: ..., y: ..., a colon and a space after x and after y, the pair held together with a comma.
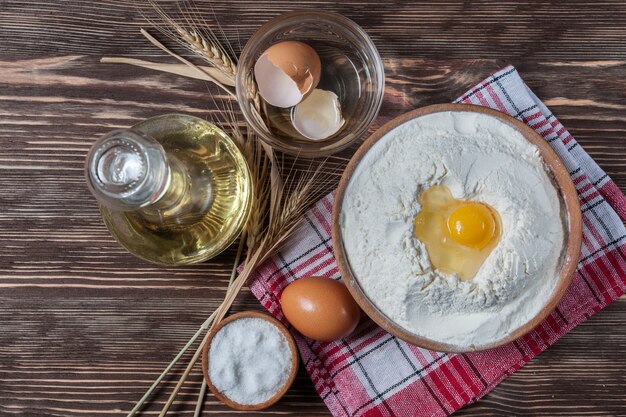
x: 567, y: 194
x: 290, y: 378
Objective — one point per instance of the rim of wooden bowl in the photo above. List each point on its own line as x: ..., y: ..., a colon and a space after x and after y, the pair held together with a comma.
x: 294, y: 361
x: 567, y: 194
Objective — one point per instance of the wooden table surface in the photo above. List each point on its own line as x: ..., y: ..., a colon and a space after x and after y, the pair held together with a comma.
x: 85, y: 327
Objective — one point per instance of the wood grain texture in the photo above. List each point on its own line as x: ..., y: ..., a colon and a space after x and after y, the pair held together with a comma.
x: 85, y: 327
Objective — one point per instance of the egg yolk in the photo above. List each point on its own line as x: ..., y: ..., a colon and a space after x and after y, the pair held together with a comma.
x: 472, y: 225
x: 459, y: 235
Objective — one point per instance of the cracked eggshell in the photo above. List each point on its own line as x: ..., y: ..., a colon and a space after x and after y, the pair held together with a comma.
x: 287, y: 72
x: 318, y: 116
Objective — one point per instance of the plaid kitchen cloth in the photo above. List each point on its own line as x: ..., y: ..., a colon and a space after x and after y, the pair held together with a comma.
x: 373, y: 373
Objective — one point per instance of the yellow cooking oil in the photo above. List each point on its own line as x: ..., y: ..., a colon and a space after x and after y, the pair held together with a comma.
x: 173, y: 189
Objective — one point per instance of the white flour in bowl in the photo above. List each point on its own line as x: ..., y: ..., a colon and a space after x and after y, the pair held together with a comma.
x: 478, y: 158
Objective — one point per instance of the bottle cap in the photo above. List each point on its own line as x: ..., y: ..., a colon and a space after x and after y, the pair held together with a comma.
x: 127, y: 169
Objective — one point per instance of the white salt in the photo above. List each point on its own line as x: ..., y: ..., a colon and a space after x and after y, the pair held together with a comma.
x: 249, y: 360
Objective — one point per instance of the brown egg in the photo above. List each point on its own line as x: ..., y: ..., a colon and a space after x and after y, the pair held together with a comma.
x: 320, y: 308
x: 287, y: 72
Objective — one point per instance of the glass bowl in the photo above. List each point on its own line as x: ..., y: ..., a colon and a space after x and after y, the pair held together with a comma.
x: 350, y: 64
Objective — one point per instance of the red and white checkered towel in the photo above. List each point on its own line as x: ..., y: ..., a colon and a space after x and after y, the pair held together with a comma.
x: 372, y: 373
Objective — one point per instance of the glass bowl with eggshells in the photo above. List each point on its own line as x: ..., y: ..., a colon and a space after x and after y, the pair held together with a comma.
x: 310, y: 83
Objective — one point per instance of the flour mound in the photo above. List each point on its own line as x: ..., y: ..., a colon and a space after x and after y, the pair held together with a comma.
x: 479, y: 158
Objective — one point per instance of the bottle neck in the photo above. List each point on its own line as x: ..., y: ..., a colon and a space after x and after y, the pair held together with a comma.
x: 127, y: 170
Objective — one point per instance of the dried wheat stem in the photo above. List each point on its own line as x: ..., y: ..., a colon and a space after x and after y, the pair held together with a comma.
x: 208, y: 50
x: 285, y: 215
x: 219, y: 315
x: 159, y: 45
x: 206, y: 325
x: 178, y: 69
x: 200, y: 401
x: 233, y: 273
x: 184, y: 376
x: 180, y: 354
x: 196, y: 35
x: 285, y: 203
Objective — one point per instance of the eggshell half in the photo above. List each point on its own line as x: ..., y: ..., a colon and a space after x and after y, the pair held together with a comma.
x: 287, y: 72
x: 318, y: 116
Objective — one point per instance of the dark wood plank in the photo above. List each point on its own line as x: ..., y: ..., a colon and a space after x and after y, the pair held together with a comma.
x: 434, y: 29
x: 85, y: 327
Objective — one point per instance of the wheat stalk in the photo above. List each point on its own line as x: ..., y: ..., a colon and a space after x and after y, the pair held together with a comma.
x: 208, y: 50
x: 201, y: 41
x: 259, y: 160
x: 280, y: 197
x: 287, y: 214
x: 216, y: 55
x: 286, y: 205
x: 178, y: 69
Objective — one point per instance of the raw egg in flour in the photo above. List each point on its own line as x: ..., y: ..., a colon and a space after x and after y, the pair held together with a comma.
x: 458, y: 234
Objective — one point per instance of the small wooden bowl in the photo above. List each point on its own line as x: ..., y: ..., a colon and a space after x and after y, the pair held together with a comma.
x: 567, y: 194
x: 290, y: 378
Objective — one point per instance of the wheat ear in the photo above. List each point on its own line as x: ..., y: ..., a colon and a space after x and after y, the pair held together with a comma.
x: 208, y: 50
x: 202, y: 42
x: 286, y: 210
x: 198, y: 38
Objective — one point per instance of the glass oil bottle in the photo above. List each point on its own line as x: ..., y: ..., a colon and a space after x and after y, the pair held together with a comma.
x: 173, y: 189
